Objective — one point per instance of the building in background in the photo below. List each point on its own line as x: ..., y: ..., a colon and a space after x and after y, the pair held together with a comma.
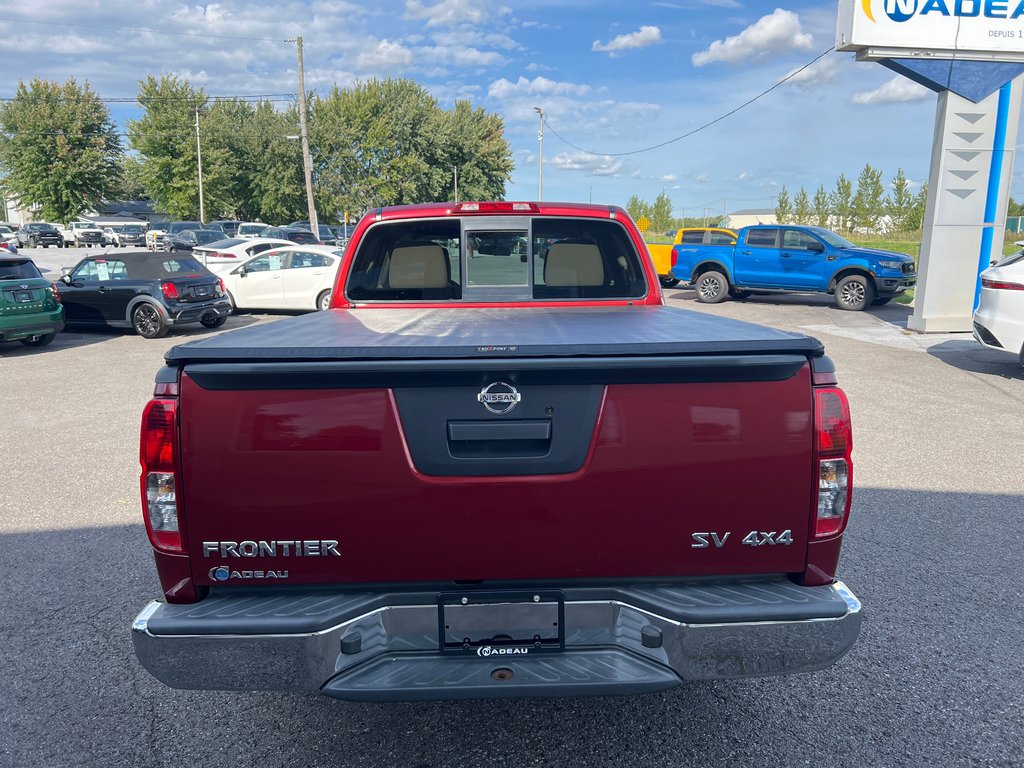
x: 750, y: 216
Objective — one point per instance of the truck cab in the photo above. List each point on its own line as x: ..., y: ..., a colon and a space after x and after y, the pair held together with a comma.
x: 791, y: 258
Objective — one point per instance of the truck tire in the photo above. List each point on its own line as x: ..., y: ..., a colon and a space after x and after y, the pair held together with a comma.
x: 712, y: 287
x: 854, y: 293
x: 735, y: 294
x: 668, y: 282
x: 148, y: 322
x: 214, y: 322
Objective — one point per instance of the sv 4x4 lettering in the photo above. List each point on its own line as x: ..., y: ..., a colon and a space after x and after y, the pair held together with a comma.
x: 706, y: 539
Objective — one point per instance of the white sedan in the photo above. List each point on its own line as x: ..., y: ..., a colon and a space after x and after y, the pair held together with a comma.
x: 222, y: 255
x: 293, y: 277
x: 999, y: 318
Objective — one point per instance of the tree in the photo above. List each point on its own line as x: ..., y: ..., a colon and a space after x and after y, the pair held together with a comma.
x: 661, y: 213
x: 899, y: 205
x: 821, y: 209
x: 842, y: 203
x: 783, y: 207
x: 165, y: 139
x: 802, y: 207
x: 130, y: 185
x: 637, y: 208
x: 869, y: 200
x: 915, y: 220
x: 59, y: 149
x: 387, y: 142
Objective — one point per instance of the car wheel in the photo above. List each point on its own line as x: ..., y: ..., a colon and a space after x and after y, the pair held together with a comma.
x: 668, y: 282
x: 881, y: 302
x: 323, y: 301
x: 734, y: 294
x: 45, y: 245
x: 148, y: 322
x: 214, y: 322
x: 39, y: 341
x: 712, y: 287
x: 854, y: 293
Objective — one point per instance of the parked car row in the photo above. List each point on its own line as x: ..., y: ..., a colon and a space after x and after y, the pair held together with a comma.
x: 153, y: 292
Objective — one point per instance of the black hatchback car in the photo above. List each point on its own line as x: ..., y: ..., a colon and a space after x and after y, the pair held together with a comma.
x: 299, y: 236
x: 148, y: 292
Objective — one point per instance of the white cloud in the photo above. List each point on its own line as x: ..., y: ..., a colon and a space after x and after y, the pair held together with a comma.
x: 594, y: 165
x: 643, y: 37
x: 461, y: 56
x: 454, y: 12
x: 701, y: 178
x: 821, y: 73
x: 385, y: 55
x: 894, y: 91
x: 539, y: 86
x: 778, y: 32
x: 668, y: 178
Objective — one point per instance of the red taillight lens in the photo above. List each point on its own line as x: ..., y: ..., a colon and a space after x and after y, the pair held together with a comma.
x: 223, y: 255
x: 159, y: 475
x: 675, y: 257
x: 1001, y: 285
x: 56, y: 292
x: 497, y: 207
x: 834, y: 444
x: 221, y: 288
x: 169, y: 290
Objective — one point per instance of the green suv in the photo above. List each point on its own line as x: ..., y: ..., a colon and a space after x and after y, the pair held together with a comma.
x: 30, y: 308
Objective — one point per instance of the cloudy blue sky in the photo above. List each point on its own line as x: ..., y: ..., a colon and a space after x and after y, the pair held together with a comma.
x: 612, y: 77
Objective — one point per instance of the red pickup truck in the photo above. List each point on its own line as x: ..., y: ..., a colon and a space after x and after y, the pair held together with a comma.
x: 497, y: 466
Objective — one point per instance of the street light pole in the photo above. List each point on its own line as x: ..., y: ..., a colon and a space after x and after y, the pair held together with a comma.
x: 307, y: 162
x: 456, y: 183
x: 540, y: 154
x: 199, y: 161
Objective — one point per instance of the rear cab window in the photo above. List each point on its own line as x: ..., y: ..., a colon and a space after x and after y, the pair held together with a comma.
x: 693, y: 238
x: 496, y: 259
x: 762, y: 238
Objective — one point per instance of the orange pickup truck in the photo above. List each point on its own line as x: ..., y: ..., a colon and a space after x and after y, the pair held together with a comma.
x: 661, y: 253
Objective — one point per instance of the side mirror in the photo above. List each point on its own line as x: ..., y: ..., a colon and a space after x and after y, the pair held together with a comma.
x: 65, y: 278
x: 65, y: 271
x: 993, y: 262
x: 241, y: 271
x: 816, y: 247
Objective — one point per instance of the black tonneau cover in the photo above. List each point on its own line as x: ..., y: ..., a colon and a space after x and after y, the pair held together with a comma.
x: 517, y: 332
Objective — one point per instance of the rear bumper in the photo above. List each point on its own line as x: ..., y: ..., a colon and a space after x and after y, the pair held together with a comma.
x: 385, y: 647
x: 193, y: 313
x: 32, y: 325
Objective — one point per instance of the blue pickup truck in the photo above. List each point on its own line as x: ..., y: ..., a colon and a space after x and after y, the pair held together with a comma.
x: 769, y: 258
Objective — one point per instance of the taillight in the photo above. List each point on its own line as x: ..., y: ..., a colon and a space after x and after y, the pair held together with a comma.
x: 834, y: 444
x: 157, y: 447
x: 675, y: 257
x: 169, y: 290
x: 1001, y: 285
x: 56, y: 292
x: 221, y: 288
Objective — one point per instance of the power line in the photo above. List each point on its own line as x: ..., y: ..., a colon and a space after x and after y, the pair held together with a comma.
x: 15, y: 20
x: 708, y: 124
x: 273, y: 97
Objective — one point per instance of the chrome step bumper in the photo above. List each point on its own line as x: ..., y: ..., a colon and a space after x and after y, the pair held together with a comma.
x: 385, y: 647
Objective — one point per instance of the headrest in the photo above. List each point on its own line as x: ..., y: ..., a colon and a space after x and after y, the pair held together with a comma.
x: 574, y: 265
x: 418, y: 265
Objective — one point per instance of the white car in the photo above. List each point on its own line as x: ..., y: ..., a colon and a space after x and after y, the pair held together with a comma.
x: 111, y: 237
x: 999, y: 318
x: 153, y: 237
x: 8, y: 235
x: 82, y: 234
x: 222, y: 255
x: 293, y: 277
x: 248, y: 230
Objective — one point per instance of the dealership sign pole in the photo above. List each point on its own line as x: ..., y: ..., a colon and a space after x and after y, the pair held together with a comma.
x: 971, y: 53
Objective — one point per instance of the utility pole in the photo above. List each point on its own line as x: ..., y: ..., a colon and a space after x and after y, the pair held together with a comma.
x: 540, y: 154
x: 199, y: 160
x: 456, y: 183
x: 307, y: 162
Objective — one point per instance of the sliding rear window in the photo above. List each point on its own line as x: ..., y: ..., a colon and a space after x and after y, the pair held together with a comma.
x: 496, y: 259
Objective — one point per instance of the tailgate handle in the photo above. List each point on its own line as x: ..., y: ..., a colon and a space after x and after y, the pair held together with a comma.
x: 499, y: 430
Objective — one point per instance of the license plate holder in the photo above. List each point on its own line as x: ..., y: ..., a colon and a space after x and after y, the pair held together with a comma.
x: 501, y: 624
x: 23, y: 297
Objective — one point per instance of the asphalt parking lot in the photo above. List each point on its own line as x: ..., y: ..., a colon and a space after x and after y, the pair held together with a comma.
x: 933, y: 550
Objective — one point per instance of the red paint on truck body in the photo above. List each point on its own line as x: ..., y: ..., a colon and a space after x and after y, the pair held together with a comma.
x: 665, y: 461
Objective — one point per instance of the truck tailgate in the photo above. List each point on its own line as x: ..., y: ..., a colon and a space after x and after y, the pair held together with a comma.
x: 633, y: 430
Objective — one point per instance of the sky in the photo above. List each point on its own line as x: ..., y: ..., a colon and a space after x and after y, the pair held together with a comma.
x: 611, y: 77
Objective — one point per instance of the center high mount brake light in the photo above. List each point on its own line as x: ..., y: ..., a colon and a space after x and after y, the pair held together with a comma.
x: 499, y: 207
